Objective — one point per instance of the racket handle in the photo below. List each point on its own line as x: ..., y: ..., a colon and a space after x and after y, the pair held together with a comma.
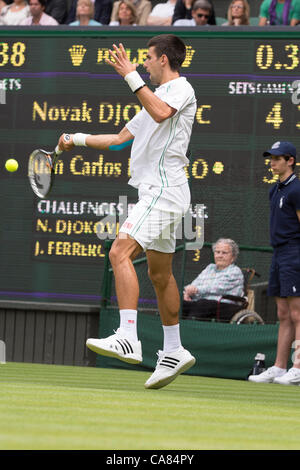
x: 58, y: 151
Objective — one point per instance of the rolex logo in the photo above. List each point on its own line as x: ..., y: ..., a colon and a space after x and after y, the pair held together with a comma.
x: 188, y: 57
x: 77, y: 54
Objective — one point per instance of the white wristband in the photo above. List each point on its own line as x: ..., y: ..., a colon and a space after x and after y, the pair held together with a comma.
x: 79, y: 139
x: 134, y: 80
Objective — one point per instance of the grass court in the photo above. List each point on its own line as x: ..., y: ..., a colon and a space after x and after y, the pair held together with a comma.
x: 50, y: 407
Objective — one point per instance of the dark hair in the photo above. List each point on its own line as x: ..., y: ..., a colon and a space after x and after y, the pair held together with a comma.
x: 287, y: 157
x: 42, y: 2
x: 203, y: 4
x: 170, y: 45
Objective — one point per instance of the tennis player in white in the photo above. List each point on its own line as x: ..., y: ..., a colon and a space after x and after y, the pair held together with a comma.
x: 161, y: 133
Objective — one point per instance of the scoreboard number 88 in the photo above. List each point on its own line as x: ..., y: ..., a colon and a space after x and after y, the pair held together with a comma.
x: 16, y: 55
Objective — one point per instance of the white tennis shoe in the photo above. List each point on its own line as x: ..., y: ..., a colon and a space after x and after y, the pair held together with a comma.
x: 169, y: 366
x: 291, y: 377
x: 117, y: 346
x: 268, y: 376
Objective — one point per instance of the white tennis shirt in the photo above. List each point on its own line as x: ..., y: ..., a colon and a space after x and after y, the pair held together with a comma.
x: 158, y: 153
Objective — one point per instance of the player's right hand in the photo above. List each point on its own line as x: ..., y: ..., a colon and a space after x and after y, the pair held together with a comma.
x: 121, y: 64
x: 66, y: 144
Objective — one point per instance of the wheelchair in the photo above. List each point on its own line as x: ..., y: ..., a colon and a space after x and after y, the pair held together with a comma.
x: 247, y: 313
x: 241, y: 312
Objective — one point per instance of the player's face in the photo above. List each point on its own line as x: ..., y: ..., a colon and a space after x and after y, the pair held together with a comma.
x: 223, y: 255
x: 153, y: 66
x: 280, y: 166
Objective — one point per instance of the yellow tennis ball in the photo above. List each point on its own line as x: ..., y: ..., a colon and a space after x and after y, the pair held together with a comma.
x: 11, y: 165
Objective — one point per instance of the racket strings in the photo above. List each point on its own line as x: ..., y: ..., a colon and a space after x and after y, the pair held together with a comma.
x: 40, y: 170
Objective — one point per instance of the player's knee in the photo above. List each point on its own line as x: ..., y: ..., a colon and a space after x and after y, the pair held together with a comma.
x: 122, y: 252
x: 115, y: 254
x: 158, y: 278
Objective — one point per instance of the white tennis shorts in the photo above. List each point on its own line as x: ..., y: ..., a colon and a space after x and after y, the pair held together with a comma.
x: 154, y: 219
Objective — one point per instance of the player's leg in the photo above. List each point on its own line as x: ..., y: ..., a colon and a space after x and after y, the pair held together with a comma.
x: 124, y: 344
x: 165, y: 286
x: 173, y: 359
x: 123, y: 251
x: 132, y: 239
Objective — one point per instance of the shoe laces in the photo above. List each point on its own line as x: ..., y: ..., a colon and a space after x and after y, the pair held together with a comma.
x: 270, y: 370
x: 294, y: 372
x: 159, y: 356
x: 118, y: 333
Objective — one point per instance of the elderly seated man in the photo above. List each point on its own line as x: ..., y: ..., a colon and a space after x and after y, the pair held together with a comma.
x: 203, y: 297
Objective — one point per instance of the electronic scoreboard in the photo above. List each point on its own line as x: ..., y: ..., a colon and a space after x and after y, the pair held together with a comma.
x: 56, y: 80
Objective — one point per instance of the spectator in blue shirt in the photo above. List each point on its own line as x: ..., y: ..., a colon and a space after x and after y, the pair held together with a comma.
x: 103, y: 9
x: 85, y: 14
x: 284, y: 281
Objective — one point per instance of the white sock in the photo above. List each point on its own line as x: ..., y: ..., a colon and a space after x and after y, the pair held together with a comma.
x: 279, y: 370
x: 172, y: 340
x: 128, y: 324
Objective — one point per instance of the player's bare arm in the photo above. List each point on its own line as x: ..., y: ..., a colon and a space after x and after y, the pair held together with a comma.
x: 158, y: 109
x: 100, y: 142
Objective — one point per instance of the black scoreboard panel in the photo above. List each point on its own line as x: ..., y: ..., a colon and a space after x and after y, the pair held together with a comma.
x: 57, y: 81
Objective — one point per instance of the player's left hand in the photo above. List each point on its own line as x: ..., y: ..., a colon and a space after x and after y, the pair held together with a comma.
x: 121, y: 64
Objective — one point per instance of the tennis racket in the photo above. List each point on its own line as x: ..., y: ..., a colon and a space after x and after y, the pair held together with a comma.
x: 41, y: 169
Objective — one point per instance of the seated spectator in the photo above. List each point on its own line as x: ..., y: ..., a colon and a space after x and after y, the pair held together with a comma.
x: 103, y: 9
x: 201, y: 11
x: 183, y: 11
x: 85, y: 14
x: 15, y: 13
x: 202, y: 298
x: 279, y: 12
x: 238, y: 13
x: 142, y: 8
x: 58, y: 9
x: 162, y: 14
x: 37, y: 15
x: 2, y: 4
x: 126, y: 15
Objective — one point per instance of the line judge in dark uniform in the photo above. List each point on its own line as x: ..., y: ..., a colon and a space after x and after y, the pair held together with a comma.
x: 284, y: 281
